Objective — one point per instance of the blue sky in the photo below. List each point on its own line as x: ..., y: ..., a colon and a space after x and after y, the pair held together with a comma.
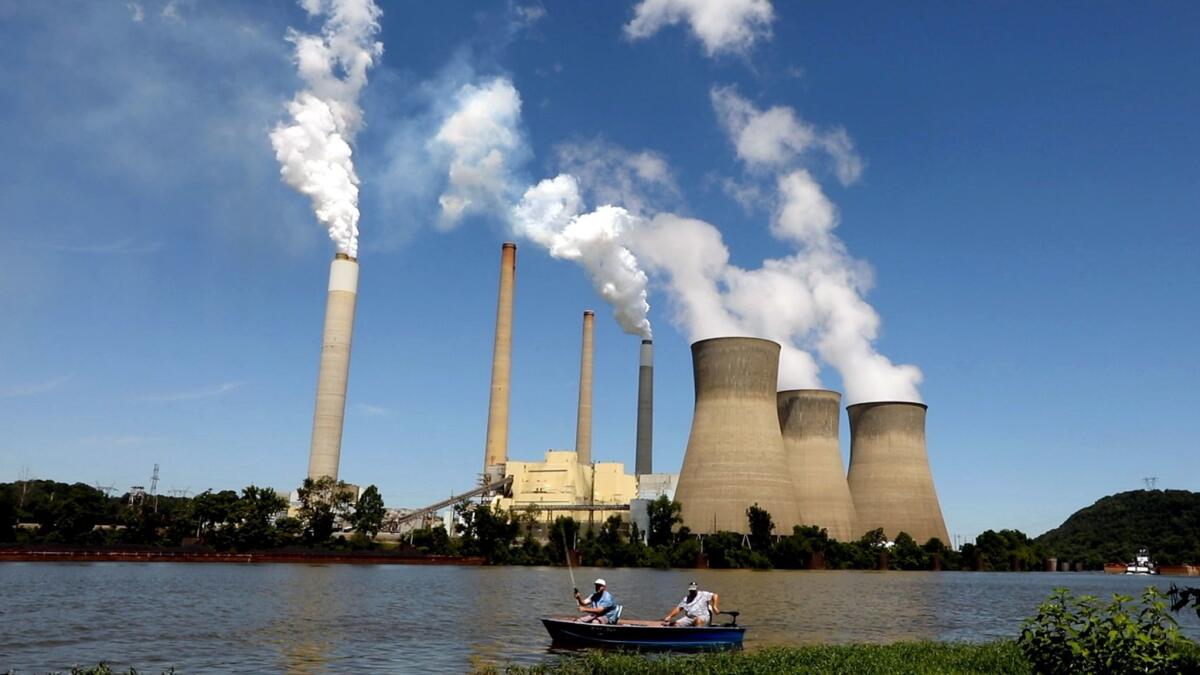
x: 1028, y: 207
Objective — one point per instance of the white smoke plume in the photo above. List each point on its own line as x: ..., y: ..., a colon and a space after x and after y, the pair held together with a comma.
x: 483, y: 140
x: 810, y: 299
x: 550, y: 214
x: 314, y: 149
x: 777, y: 137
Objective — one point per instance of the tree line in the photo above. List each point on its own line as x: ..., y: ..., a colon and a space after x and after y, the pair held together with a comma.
x: 255, y: 519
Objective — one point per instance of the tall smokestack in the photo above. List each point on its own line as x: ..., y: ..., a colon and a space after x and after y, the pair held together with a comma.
x: 583, y: 425
x: 889, y: 471
x: 334, y: 372
x: 809, y: 419
x: 735, y: 455
x: 496, y: 450
x: 645, y: 412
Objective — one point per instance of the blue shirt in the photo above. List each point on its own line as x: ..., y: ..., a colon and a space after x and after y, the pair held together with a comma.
x: 605, y: 602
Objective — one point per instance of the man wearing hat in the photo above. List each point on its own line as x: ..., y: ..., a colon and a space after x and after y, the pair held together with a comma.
x: 599, y: 607
x: 697, y: 607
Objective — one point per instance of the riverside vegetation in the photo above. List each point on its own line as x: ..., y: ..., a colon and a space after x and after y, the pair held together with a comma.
x: 1168, y: 521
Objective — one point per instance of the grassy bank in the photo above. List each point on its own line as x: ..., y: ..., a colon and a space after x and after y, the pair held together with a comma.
x: 917, y: 658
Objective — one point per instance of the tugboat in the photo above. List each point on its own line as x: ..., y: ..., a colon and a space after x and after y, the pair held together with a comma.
x: 1141, y: 564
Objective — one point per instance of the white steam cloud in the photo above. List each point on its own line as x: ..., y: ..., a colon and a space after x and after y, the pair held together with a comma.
x: 314, y: 149
x: 483, y: 140
x: 550, y: 215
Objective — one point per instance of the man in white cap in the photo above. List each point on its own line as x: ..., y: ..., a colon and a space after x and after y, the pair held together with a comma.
x: 698, y: 608
x: 599, y: 607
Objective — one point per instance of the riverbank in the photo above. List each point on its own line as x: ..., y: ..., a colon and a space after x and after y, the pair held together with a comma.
x: 911, y: 658
x: 78, y: 554
x: 901, y: 657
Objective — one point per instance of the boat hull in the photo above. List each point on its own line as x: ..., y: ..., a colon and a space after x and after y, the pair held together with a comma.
x: 642, y: 635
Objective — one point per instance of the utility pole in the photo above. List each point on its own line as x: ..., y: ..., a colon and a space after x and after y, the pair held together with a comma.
x: 1150, y: 482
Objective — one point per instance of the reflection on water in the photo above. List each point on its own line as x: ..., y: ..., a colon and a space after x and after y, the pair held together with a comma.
x: 338, y: 618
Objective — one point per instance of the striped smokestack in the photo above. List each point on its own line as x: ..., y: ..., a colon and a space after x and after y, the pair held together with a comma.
x: 496, y: 449
x: 889, y: 471
x: 334, y: 372
x: 810, y: 419
x: 583, y: 425
x: 644, y: 459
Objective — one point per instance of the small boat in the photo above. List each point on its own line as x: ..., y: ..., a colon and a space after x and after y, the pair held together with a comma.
x: 1141, y: 564
x: 635, y: 634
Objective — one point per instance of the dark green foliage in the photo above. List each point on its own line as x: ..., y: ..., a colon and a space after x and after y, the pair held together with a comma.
x: 796, y: 550
x: 1009, y: 550
x: 8, y: 521
x: 915, y: 658
x: 906, y: 555
x: 1083, y: 635
x: 1180, y: 596
x: 368, y: 512
x: 487, y: 532
x: 1115, y: 527
x: 761, y: 527
x: 559, y: 538
x: 664, y: 516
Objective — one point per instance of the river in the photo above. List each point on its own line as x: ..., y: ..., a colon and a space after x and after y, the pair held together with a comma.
x: 399, y: 618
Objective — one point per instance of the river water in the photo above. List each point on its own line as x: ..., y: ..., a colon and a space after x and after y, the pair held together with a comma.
x: 399, y: 618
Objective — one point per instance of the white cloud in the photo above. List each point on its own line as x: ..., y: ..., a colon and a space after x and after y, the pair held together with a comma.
x: 138, y: 14
x: 368, y: 410
x: 731, y: 26
x: 483, y: 141
x: 528, y: 15
x: 777, y: 137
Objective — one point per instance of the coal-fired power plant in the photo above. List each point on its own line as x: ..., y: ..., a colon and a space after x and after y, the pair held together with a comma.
x: 334, y: 373
x: 809, y: 420
x: 889, y: 473
x: 496, y: 447
x: 583, y: 420
x: 643, y: 456
x: 735, y: 456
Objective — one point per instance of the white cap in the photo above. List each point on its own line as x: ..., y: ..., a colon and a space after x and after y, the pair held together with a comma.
x: 693, y: 586
x: 600, y: 582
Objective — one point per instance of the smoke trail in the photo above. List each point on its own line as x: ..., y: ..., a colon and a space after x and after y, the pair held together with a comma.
x: 314, y: 150
x: 549, y: 214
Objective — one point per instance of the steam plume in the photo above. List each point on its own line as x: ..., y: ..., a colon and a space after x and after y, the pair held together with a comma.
x: 314, y: 150
x: 549, y: 214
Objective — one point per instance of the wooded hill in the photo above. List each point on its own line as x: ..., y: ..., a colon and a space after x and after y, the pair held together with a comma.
x: 1167, y: 522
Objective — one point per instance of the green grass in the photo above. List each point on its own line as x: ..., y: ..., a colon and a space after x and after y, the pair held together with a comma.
x: 914, y: 658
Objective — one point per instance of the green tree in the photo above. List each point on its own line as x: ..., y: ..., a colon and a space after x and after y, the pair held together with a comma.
x: 562, y: 534
x: 8, y: 521
x: 253, y: 517
x: 322, y: 502
x: 368, y: 512
x: 664, y: 516
x: 761, y: 526
x: 906, y: 555
x: 211, y: 514
x: 488, y: 532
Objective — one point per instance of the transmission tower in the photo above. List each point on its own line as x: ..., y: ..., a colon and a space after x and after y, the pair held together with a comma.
x: 154, y: 487
x: 1150, y: 482
x: 106, y: 489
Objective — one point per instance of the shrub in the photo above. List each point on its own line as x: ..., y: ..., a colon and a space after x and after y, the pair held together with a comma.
x: 1083, y: 635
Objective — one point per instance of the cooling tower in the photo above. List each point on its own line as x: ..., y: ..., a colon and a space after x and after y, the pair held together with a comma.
x: 496, y: 449
x: 334, y: 372
x: 809, y: 419
x: 889, y: 471
x: 735, y: 454
x: 643, y: 459
x: 583, y: 423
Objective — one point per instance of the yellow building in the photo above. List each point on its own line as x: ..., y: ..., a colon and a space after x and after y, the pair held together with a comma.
x: 560, y: 482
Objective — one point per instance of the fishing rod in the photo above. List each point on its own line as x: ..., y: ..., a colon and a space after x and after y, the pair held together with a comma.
x: 567, y: 552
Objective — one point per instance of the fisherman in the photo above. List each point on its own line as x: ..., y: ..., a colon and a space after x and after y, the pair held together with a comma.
x: 599, y: 607
x: 698, y: 608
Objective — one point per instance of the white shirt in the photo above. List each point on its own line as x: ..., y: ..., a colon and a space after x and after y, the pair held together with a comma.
x: 697, y: 606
